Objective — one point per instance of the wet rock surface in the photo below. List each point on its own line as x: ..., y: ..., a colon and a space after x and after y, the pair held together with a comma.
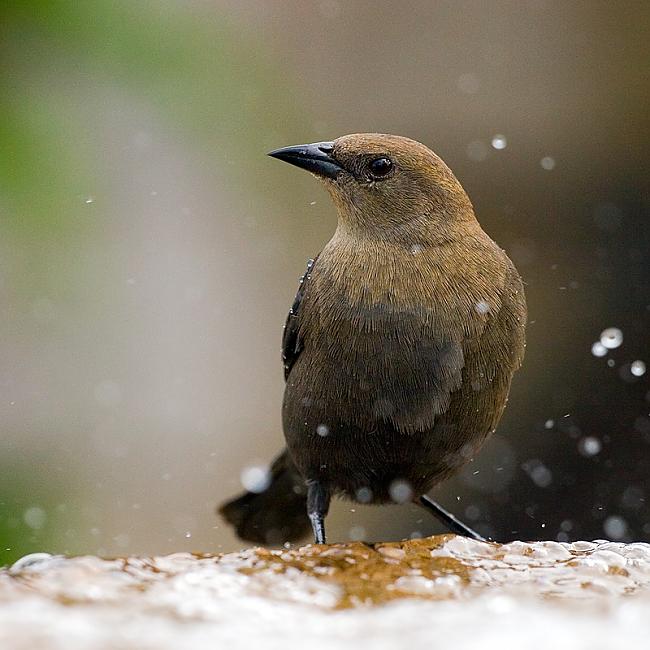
x: 434, y: 592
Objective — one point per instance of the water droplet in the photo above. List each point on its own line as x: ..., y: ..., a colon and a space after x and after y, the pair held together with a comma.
x: 549, y: 424
x: 477, y: 150
x: 357, y: 533
x: 482, y: 307
x: 322, y: 430
x: 255, y: 478
x: 364, y: 495
x: 540, y: 475
x: 499, y: 141
x: 547, y: 163
x: 598, y: 349
x: 633, y: 498
x: 35, y: 517
x: 615, y: 527
x: 638, y: 368
x: 472, y: 512
x: 589, y: 446
x: 611, y: 338
x: 400, y: 491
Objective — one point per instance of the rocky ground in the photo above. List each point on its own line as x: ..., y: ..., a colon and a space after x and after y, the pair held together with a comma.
x: 438, y: 592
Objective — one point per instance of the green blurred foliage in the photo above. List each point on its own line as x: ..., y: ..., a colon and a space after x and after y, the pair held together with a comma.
x: 195, y: 73
x: 39, y: 512
x: 194, y: 69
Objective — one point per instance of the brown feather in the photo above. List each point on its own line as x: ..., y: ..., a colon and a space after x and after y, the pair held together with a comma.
x: 402, y: 341
x: 411, y: 328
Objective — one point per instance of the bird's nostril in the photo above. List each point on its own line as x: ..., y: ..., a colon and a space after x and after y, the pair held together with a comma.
x: 326, y: 147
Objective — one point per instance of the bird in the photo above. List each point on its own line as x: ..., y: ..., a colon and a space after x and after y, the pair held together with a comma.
x: 400, y: 346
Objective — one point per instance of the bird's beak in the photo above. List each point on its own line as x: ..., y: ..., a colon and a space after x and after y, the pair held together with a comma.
x: 315, y: 158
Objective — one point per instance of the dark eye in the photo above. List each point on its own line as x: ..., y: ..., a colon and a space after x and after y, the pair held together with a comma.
x: 380, y: 167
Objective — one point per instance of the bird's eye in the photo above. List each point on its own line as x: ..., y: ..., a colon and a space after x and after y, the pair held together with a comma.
x: 381, y: 167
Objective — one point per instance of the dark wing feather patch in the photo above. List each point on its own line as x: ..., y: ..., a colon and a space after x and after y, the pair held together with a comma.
x: 291, y: 343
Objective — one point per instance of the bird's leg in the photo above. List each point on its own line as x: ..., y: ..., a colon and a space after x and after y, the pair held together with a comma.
x: 453, y: 524
x: 318, y: 503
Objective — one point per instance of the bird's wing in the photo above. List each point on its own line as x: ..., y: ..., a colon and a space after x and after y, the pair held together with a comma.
x: 291, y: 342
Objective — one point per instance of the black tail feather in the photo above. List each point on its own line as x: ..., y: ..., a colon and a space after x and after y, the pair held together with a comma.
x: 275, y: 516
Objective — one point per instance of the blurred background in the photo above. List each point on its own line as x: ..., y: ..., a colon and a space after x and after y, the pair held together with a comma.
x: 149, y: 251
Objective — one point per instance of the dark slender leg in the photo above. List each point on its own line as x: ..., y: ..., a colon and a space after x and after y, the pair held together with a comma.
x: 454, y: 525
x: 318, y: 503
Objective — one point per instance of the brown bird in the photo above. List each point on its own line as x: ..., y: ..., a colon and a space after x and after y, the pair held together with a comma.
x: 400, y: 346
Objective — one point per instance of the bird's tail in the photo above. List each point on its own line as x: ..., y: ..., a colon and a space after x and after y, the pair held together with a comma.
x: 275, y: 516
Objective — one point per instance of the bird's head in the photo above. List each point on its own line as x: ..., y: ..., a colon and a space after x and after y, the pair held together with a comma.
x: 387, y: 185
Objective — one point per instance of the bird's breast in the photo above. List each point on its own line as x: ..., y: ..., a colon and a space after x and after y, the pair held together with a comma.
x: 381, y: 351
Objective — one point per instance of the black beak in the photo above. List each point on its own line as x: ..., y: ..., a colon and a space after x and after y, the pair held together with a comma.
x: 315, y: 158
